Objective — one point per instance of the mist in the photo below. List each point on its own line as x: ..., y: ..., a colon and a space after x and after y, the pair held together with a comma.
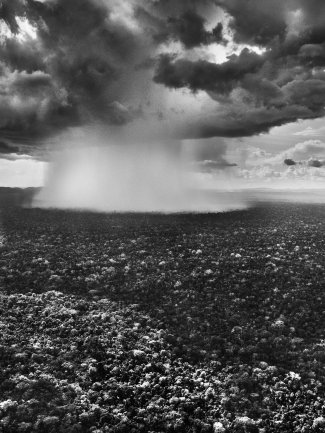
x: 109, y: 172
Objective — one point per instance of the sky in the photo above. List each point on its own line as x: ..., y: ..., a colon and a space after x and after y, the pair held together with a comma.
x: 234, y: 89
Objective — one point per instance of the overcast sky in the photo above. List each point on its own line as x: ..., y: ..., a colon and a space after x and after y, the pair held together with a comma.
x: 241, y: 84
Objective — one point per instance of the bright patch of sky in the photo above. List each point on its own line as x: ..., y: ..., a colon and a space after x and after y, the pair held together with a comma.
x: 22, y: 173
x: 26, y: 30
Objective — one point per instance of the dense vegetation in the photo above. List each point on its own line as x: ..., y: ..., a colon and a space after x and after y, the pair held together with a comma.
x: 154, y: 323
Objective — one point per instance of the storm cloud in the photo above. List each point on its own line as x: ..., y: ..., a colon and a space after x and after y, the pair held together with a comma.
x: 204, y: 75
x: 315, y: 163
x: 113, y: 63
x: 289, y: 162
x: 68, y: 74
x: 282, y: 81
x: 5, y: 148
x: 189, y: 29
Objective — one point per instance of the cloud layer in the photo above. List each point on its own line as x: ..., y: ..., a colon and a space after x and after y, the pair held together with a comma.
x: 304, y: 162
x: 115, y: 63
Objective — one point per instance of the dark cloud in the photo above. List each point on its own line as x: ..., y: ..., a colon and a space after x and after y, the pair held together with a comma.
x: 312, y: 17
x: 32, y: 104
x: 289, y: 162
x: 256, y: 22
x: 189, y: 29
x: 6, y: 148
x: 315, y: 163
x: 204, y: 75
x: 148, y: 63
x: 11, y: 152
x: 89, y: 53
x: 69, y: 75
x: 313, y: 54
x: 309, y: 93
x: 242, y: 121
x: 282, y: 84
x: 22, y: 56
x: 94, y: 61
x: 27, y: 84
x: 183, y: 21
x: 217, y: 33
